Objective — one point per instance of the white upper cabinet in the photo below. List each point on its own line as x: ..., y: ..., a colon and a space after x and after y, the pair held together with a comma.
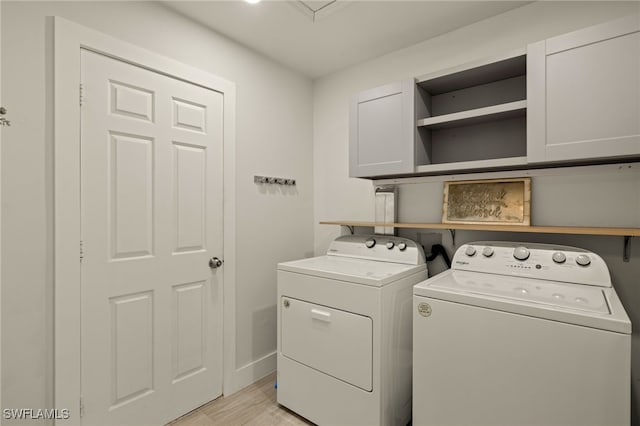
x: 583, y: 94
x: 381, y: 140
x: 574, y: 98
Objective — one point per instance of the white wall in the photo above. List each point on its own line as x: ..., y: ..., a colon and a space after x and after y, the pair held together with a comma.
x: 609, y: 198
x: 274, y: 137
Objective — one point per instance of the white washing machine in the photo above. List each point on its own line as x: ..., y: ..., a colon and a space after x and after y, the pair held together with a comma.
x: 344, y: 331
x: 521, y: 334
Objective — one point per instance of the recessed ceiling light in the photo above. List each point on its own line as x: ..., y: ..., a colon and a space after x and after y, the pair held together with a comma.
x: 253, y: 1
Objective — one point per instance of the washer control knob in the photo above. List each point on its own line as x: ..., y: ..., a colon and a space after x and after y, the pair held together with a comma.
x: 470, y: 251
x: 390, y: 245
x: 559, y: 257
x: 370, y: 243
x: 521, y: 253
x: 583, y: 260
x: 487, y: 251
x: 402, y: 246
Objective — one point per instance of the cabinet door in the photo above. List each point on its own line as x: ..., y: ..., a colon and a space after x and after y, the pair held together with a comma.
x: 382, y: 121
x: 584, y: 94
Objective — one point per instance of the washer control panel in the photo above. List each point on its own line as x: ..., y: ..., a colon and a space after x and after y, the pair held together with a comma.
x: 543, y: 261
x: 385, y: 248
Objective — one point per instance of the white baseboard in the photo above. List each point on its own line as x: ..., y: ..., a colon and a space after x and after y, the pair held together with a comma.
x: 250, y: 373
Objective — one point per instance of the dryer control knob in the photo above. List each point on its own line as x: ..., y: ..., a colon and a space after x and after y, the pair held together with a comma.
x: 470, y: 251
x: 521, y: 253
x: 370, y: 243
x: 402, y: 246
x: 487, y: 251
x: 583, y: 260
x: 390, y: 245
x: 559, y: 257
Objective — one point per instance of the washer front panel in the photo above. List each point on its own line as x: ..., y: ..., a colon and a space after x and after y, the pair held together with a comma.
x: 476, y: 366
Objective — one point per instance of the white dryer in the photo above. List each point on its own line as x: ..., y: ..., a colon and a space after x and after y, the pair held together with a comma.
x: 521, y: 334
x: 344, y: 331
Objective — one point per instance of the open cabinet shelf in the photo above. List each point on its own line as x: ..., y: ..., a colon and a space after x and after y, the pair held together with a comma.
x: 472, y: 118
x: 475, y: 116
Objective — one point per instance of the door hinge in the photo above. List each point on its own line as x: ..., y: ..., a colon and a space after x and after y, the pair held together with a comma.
x: 81, y: 95
x: 81, y: 407
x: 81, y: 250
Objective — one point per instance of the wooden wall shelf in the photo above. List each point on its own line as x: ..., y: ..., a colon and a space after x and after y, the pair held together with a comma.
x: 623, y: 232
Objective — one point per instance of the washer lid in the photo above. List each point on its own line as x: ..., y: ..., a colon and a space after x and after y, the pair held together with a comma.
x: 573, y: 303
x: 361, y: 271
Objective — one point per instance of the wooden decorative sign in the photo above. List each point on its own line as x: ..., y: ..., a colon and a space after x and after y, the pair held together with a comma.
x: 497, y: 201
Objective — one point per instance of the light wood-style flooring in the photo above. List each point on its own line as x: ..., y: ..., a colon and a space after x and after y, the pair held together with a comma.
x: 255, y: 406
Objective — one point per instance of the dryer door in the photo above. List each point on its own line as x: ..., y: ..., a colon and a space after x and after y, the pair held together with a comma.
x: 335, y: 342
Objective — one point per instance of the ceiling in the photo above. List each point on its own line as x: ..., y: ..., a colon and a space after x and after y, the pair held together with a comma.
x: 317, y: 38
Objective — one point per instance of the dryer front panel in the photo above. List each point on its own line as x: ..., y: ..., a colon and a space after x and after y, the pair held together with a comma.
x: 332, y: 341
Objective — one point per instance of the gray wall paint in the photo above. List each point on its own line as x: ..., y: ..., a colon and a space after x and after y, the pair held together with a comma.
x: 595, y: 198
x: 274, y: 138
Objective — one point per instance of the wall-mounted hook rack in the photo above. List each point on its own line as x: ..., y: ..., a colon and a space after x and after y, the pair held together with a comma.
x: 273, y: 180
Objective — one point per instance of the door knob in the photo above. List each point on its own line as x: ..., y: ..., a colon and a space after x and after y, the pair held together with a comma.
x: 214, y: 262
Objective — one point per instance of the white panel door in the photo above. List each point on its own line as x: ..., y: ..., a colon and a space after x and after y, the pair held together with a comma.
x: 151, y: 188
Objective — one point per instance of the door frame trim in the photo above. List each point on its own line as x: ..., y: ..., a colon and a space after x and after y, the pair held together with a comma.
x: 69, y: 38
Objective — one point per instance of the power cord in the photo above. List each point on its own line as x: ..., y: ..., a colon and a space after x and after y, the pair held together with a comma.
x: 438, y: 250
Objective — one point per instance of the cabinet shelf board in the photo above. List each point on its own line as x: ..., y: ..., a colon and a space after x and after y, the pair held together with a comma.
x: 571, y: 230
x: 475, y: 116
x: 471, y: 165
